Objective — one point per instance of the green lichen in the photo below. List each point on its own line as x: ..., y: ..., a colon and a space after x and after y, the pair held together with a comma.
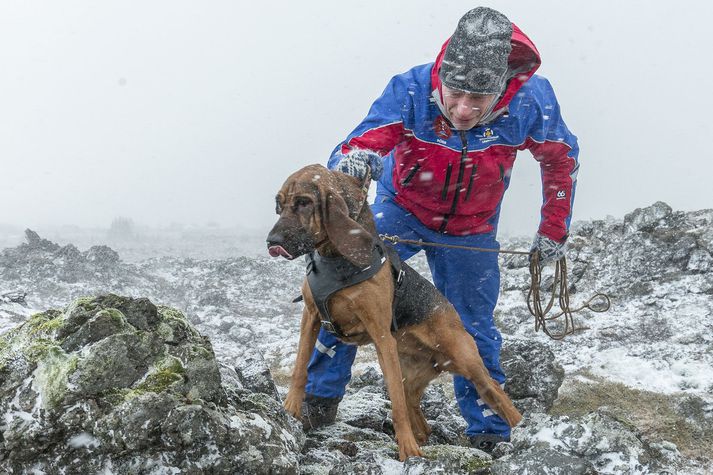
x: 466, y: 461
x: 114, y: 313
x: 112, y: 316
x: 171, y: 363
x: 48, y: 326
x: 173, y: 325
x: 38, y: 349
x: 164, y: 374
x: 202, y: 352
x: 375, y: 446
x: 165, y: 331
x: 45, y: 322
x: 27, y: 340
x: 53, y: 370
x: 476, y: 463
x: 171, y: 313
x: 160, y: 378
x: 158, y: 382
x: 85, y: 303
x: 115, y: 396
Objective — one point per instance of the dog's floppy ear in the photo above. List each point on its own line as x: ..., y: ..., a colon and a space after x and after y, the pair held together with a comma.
x: 346, y: 235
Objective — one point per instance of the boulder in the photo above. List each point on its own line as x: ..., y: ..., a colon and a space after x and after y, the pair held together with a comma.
x: 647, y: 219
x: 593, y: 443
x: 533, y: 374
x: 120, y: 385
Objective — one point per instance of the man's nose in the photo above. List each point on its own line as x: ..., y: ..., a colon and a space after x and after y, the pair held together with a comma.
x: 467, y: 108
x: 464, y: 109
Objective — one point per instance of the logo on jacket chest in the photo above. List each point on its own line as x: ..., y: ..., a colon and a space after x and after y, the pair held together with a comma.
x: 441, y: 127
x: 487, y: 136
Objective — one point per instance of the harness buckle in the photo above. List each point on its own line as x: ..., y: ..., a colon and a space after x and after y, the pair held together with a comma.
x: 400, y: 277
x: 329, y: 326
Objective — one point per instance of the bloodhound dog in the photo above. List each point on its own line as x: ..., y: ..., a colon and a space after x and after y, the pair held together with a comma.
x: 325, y: 212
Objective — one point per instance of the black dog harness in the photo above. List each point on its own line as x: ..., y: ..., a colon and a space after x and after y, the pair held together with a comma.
x: 413, y: 295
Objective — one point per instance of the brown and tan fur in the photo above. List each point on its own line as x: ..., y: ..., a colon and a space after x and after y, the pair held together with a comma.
x: 321, y: 202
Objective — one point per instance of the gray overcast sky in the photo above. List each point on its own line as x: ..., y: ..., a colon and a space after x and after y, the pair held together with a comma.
x: 176, y: 111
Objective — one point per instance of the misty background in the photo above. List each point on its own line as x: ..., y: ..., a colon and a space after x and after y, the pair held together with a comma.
x: 181, y: 114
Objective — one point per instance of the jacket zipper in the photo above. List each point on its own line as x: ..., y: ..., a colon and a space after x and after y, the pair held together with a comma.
x: 444, y: 192
x: 461, y: 170
x: 410, y: 175
x: 470, y: 181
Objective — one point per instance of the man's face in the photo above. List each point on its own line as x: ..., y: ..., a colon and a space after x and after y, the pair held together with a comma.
x: 464, y: 109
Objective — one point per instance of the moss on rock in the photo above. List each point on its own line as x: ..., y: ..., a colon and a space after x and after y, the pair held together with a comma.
x: 45, y: 322
x: 52, y: 375
x: 166, y: 372
x: 173, y: 326
x: 111, y: 379
x: 464, y: 457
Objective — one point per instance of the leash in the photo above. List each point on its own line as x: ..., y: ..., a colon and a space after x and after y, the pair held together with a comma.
x: 534, y: 301
x: 396, y: 240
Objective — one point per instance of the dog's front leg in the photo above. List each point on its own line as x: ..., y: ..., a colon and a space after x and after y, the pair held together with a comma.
x: 309, y: 329
x: 386, y: 350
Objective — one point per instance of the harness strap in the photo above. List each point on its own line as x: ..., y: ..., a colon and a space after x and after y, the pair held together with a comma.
x: 325, y: 277
x: 398, y: 273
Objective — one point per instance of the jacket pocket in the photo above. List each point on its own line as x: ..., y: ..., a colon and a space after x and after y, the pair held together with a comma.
x: 411, y: 174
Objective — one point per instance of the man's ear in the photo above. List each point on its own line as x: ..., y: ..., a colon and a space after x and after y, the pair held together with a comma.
x: 346, y: 235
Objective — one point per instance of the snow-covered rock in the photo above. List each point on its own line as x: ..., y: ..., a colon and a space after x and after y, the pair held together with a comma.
x: 118, y: 385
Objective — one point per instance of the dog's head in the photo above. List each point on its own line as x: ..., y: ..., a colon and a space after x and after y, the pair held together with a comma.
x: 316, y: 206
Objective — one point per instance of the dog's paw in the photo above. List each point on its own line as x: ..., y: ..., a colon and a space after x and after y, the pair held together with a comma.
x: 293, y: 407
x: 408, y: 449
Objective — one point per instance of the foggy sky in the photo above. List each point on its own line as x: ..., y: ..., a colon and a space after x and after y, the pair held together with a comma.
x: 196, y: 112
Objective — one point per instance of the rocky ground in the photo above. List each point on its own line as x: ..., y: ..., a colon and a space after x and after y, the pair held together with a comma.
x: 630, y: 394
x: 117, y: 385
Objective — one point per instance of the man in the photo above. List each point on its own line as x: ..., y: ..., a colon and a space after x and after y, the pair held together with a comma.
x: 445, y: 135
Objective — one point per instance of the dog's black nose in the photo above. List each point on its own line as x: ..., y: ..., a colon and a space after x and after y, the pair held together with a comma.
x: 275, y: 243
x: 275, y: 239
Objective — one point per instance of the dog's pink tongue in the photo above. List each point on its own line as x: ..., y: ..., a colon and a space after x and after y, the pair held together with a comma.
x: 276, y: 251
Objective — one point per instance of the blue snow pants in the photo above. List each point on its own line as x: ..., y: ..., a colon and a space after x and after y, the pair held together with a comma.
x: 470, y: 281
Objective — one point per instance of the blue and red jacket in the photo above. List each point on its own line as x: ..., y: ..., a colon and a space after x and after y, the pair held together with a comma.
x: 453, y: 181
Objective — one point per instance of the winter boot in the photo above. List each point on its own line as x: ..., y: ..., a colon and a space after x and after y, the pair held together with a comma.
x: 318, y: 411
x: 487, y: 442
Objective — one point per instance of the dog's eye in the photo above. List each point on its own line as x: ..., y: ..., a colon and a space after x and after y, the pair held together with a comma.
x: 278, y: 207
x: 302, y: 202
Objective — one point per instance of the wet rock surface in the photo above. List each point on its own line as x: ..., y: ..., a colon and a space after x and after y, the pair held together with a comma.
x: 118, y: 385
x: 655, y: 263
x: 534, y: 376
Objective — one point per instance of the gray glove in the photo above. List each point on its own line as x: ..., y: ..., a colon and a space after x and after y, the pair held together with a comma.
x: 356, y: 162
x: 549, y: 249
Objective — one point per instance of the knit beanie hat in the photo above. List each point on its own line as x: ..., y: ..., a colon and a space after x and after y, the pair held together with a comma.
x: 476, y: 58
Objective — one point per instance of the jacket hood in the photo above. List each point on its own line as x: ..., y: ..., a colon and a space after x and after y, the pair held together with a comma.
x: 523, y: 61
